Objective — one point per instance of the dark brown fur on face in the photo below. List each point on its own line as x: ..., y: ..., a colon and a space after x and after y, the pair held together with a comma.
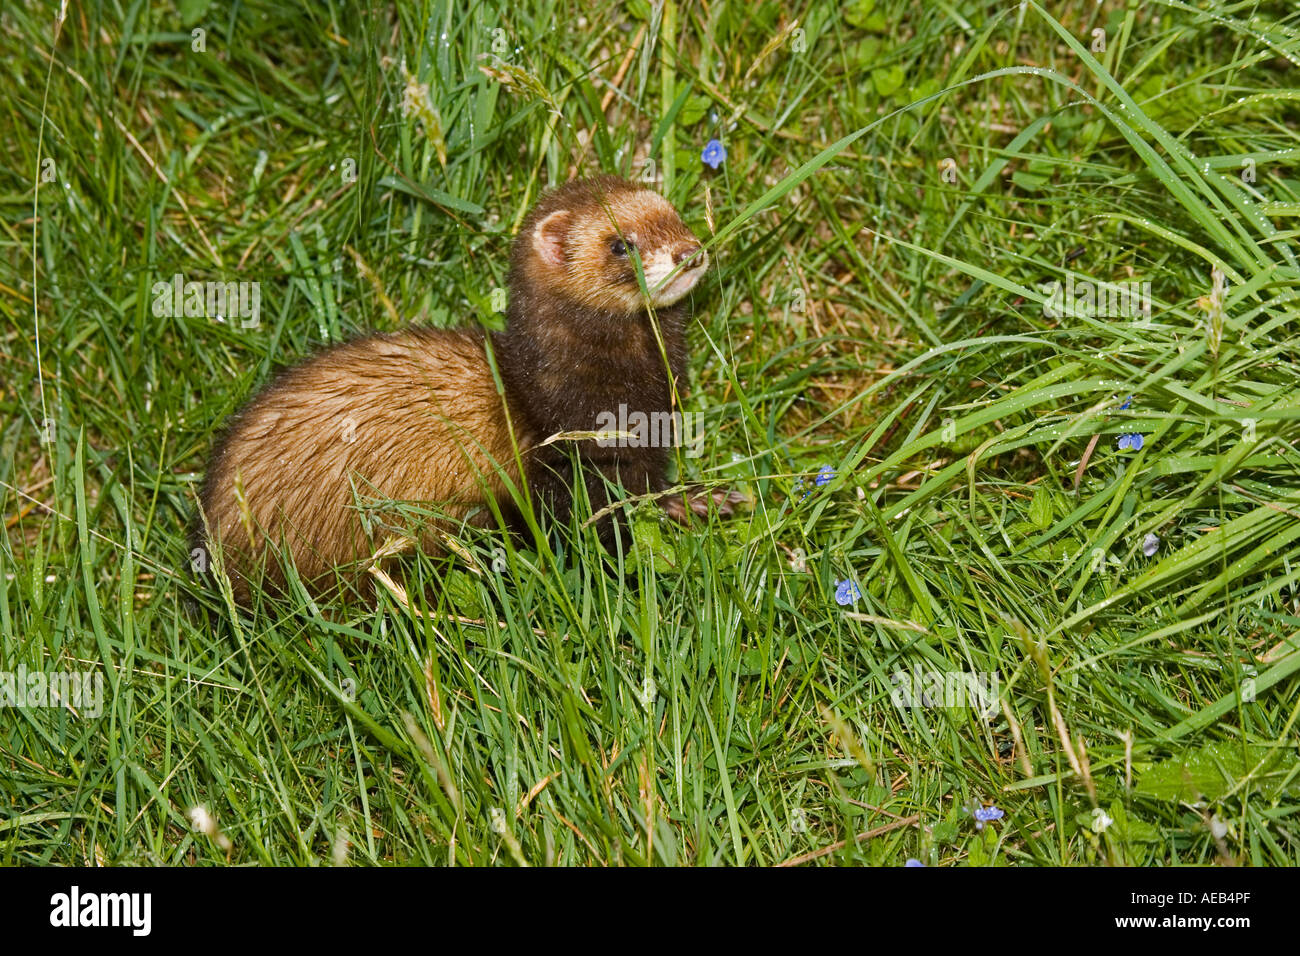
x: 415, y: 416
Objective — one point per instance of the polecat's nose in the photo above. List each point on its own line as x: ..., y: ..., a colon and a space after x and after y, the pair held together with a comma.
x: 682, y: 253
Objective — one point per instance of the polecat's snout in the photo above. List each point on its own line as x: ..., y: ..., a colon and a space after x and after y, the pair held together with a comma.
x: 671, y: 273
x: 684, y: 252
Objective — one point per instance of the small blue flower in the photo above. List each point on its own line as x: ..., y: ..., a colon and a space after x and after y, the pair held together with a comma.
x: 823, y: 477
x: 1133, y: 441
x: 984, y: 814
x: 913, y: 861
x: 714, y: 153
x: 1127, y: 402
x: 846, y: 593
x: 1150, y: 545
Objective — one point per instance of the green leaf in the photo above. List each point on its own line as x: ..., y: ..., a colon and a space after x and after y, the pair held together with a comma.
x: 865, y: 52
x: 1216, y: 769
x: 431, y: 195
x: 462, y: 592
x: 888, y: 79
x: 857, y: 13
x: 1040, y: 509
x: 1029, y: 182
x: 192, y: 11
x: 1129, y: 828
x: 649, y: 538
x: 693, y: 110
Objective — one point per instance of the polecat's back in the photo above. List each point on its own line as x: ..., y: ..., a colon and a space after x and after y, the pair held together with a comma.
x: 408, y: 417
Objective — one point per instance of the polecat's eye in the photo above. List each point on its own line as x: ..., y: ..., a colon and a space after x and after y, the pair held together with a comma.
x: 618, y: 247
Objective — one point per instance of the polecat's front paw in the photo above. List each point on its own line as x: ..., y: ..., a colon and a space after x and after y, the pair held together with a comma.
x: 700, y: 501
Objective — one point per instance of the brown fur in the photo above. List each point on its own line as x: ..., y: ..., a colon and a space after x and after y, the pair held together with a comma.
x: 415, y: 415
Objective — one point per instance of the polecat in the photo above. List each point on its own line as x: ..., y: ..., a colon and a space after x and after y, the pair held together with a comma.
x: 416, y: 416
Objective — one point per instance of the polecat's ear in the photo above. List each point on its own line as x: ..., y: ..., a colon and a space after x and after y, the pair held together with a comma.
x: 549, y: 236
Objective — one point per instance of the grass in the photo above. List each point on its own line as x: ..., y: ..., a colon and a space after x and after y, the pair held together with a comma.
x: 902, y: 183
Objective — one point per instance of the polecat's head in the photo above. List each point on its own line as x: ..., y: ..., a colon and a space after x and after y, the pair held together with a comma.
x: 579, y: 242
